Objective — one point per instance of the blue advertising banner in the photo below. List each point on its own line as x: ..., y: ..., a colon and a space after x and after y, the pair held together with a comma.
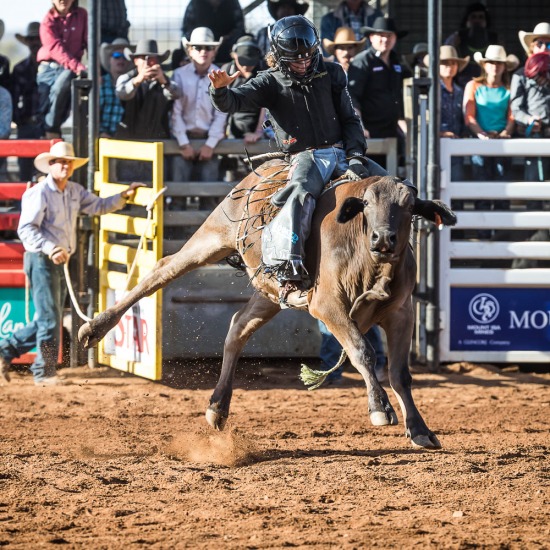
x: 500, y: 319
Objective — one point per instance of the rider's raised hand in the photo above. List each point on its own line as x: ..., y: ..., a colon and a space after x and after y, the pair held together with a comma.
x: 220, y: 79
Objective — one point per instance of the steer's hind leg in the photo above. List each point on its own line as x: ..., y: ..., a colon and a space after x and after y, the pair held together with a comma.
x: 211, y: 243
x: 399, y: 334
x: 256, y: 313
x: 362, y: 357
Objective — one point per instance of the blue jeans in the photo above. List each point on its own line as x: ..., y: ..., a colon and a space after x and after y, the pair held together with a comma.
x: 54, y: 95
x: 331, y: 349
x: 48, y: 290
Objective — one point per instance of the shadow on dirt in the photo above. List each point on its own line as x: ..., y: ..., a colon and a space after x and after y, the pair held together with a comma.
x: 273, y: 455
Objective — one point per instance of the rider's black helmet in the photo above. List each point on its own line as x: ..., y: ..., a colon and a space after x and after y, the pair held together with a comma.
x: 295, y: 38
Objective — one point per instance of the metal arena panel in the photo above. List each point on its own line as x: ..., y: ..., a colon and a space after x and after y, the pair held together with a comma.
x: 495, y: 265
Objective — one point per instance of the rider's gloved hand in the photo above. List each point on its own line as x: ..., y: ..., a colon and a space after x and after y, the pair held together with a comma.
x: 358, y: 168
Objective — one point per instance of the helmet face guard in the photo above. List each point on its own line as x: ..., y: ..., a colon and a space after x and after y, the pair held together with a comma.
x: 293, y: 40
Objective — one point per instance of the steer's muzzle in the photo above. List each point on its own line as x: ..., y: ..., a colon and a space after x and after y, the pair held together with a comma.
x: 382, y: 243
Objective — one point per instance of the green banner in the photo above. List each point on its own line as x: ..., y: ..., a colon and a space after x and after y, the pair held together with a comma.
x: 12, y: 311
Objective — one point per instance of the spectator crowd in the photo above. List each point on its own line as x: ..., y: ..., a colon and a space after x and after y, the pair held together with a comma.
x: 147, y: 94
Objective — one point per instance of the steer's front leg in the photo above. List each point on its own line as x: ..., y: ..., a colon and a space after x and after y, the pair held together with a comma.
x: 360, y: 353
x: 399, y: 335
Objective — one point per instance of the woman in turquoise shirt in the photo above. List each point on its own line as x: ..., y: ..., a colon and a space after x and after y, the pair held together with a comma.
x: 487, y: 114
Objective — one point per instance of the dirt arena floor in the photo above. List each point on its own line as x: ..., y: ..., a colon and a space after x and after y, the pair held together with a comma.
x: 114, y: 461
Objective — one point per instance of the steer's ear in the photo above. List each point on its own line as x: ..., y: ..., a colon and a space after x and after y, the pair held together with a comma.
x: 435, y: 211
x: 351, y: 207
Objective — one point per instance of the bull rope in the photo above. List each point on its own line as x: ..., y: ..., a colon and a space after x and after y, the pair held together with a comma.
x: 315, y: 378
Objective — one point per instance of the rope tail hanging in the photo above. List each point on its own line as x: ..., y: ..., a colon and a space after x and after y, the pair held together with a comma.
x: 315, y: 378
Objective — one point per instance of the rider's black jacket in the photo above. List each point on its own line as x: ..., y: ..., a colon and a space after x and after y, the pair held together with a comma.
x: 303, y: 116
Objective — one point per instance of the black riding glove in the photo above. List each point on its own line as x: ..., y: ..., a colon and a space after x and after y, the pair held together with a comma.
x: 358, y: 168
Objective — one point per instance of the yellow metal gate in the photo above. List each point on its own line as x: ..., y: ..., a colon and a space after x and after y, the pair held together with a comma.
x: 135, y: 344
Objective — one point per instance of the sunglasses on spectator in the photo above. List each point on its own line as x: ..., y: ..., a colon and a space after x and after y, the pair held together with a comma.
x: 205, y: 48
x: 117, y: 55
x: 542, y: 43
x: 60, y: 161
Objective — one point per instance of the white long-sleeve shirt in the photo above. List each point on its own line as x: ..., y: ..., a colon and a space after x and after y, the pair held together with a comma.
x: 49, y: 215
x: 193, y: 111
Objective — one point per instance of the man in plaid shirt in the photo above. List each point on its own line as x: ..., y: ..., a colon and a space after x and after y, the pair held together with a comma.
x: 115, y: 64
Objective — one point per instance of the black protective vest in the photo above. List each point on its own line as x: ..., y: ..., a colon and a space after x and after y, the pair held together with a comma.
x: 303, y: 117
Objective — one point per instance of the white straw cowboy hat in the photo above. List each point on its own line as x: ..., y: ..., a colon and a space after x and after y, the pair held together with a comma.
x: 201, y: 36
x: 59, y: 150
x: 449, y: 53
x: 106, y: 50
x: 33, y: 31
x: 498, y: 54
x: 344, y: 36
x: 542, y: 30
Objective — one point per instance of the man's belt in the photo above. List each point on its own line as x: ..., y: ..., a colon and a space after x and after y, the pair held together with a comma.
x: 337, y: 145
x: 51, y: 64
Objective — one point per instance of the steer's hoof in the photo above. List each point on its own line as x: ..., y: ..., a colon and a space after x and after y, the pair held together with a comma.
x: 215, y: 419
x: 386, y: 418
x: 86, y: 336
x: 426, y: 442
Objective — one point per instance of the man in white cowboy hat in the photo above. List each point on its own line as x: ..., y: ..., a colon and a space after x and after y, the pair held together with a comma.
x: 344, y: 47
x: 115, y: 64
x: 47, y: 229
x: 537, y: 41
x: 24, y: 93
x: 193, y: 115
x: 355, y: 14
x: 147, y: 94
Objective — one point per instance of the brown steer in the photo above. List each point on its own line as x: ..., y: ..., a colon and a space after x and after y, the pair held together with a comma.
x: 361, y: 266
